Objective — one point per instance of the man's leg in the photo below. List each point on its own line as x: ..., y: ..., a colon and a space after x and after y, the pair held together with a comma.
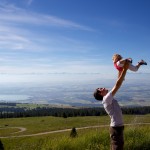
x: 116, y: 137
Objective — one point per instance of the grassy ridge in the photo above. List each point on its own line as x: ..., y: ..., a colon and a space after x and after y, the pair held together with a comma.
x: 137, y: 137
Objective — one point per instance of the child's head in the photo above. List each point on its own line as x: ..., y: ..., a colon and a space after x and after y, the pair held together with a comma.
x: 116, y: 57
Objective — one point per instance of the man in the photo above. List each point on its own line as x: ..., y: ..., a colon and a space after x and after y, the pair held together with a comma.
x: 113, y: 109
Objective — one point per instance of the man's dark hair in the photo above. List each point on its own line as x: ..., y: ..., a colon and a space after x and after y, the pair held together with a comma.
x: 97, y: 95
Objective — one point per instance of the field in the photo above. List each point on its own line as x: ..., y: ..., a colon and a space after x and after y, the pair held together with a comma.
x: 35, y: 133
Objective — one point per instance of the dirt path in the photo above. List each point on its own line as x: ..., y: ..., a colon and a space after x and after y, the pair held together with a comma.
x: 20, y: 128
x: 64, y: 130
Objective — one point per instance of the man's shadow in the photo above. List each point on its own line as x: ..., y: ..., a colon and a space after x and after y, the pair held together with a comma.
x: 1, y: 146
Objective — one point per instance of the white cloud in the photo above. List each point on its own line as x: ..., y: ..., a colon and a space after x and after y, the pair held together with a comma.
x: 17, y: 31
x: 12, y: 14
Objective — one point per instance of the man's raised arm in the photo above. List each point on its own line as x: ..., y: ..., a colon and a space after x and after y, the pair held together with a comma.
x: 121, y: 78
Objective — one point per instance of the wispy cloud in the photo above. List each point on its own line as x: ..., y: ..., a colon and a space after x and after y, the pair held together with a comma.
x: 16, y: 29
x: 12, y: 14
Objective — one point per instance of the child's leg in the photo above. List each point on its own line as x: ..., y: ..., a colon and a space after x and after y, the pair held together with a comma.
x: 134, y: 68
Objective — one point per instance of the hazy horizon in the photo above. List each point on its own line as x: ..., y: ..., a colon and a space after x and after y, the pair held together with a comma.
x: 77, y: 92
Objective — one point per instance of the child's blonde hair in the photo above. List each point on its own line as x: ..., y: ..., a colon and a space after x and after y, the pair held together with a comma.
x: 116, y: 57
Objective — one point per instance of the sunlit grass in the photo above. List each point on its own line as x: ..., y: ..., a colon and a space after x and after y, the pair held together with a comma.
x: 137, y: 137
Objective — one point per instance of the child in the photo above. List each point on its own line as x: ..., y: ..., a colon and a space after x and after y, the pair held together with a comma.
x: 119, y: 63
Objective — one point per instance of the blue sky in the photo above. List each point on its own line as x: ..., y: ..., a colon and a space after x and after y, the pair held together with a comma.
x: 61, y: 39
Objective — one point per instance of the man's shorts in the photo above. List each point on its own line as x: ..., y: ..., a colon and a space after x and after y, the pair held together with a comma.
x: 117, y: 139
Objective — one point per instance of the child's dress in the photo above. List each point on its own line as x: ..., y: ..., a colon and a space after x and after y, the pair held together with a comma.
x: 119, y: 66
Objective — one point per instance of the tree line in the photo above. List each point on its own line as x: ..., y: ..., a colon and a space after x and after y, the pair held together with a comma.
x: 14, y: 112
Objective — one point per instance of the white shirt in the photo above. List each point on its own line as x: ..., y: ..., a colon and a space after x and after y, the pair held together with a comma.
x: 113, y: 109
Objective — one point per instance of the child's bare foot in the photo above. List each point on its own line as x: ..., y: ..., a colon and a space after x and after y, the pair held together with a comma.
x: 142, y: 62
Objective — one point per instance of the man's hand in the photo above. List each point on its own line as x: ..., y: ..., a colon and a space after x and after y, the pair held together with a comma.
x: 126, y: 64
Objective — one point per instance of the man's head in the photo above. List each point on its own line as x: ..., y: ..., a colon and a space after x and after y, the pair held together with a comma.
x: 99, y: 93
x: 116, y: 57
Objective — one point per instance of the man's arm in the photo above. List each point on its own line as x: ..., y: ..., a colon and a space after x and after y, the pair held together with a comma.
x: 122, y: 61
x: 120, y: 79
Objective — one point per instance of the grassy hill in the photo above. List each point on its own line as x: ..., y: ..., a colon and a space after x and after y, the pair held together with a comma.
x: 137, y: 136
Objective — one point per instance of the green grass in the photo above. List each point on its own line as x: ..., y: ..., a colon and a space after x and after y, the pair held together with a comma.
x: 43, y: 124
x: 137, y: 137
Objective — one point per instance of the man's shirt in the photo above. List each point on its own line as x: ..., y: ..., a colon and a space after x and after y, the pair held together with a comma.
x: 113, y: 109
